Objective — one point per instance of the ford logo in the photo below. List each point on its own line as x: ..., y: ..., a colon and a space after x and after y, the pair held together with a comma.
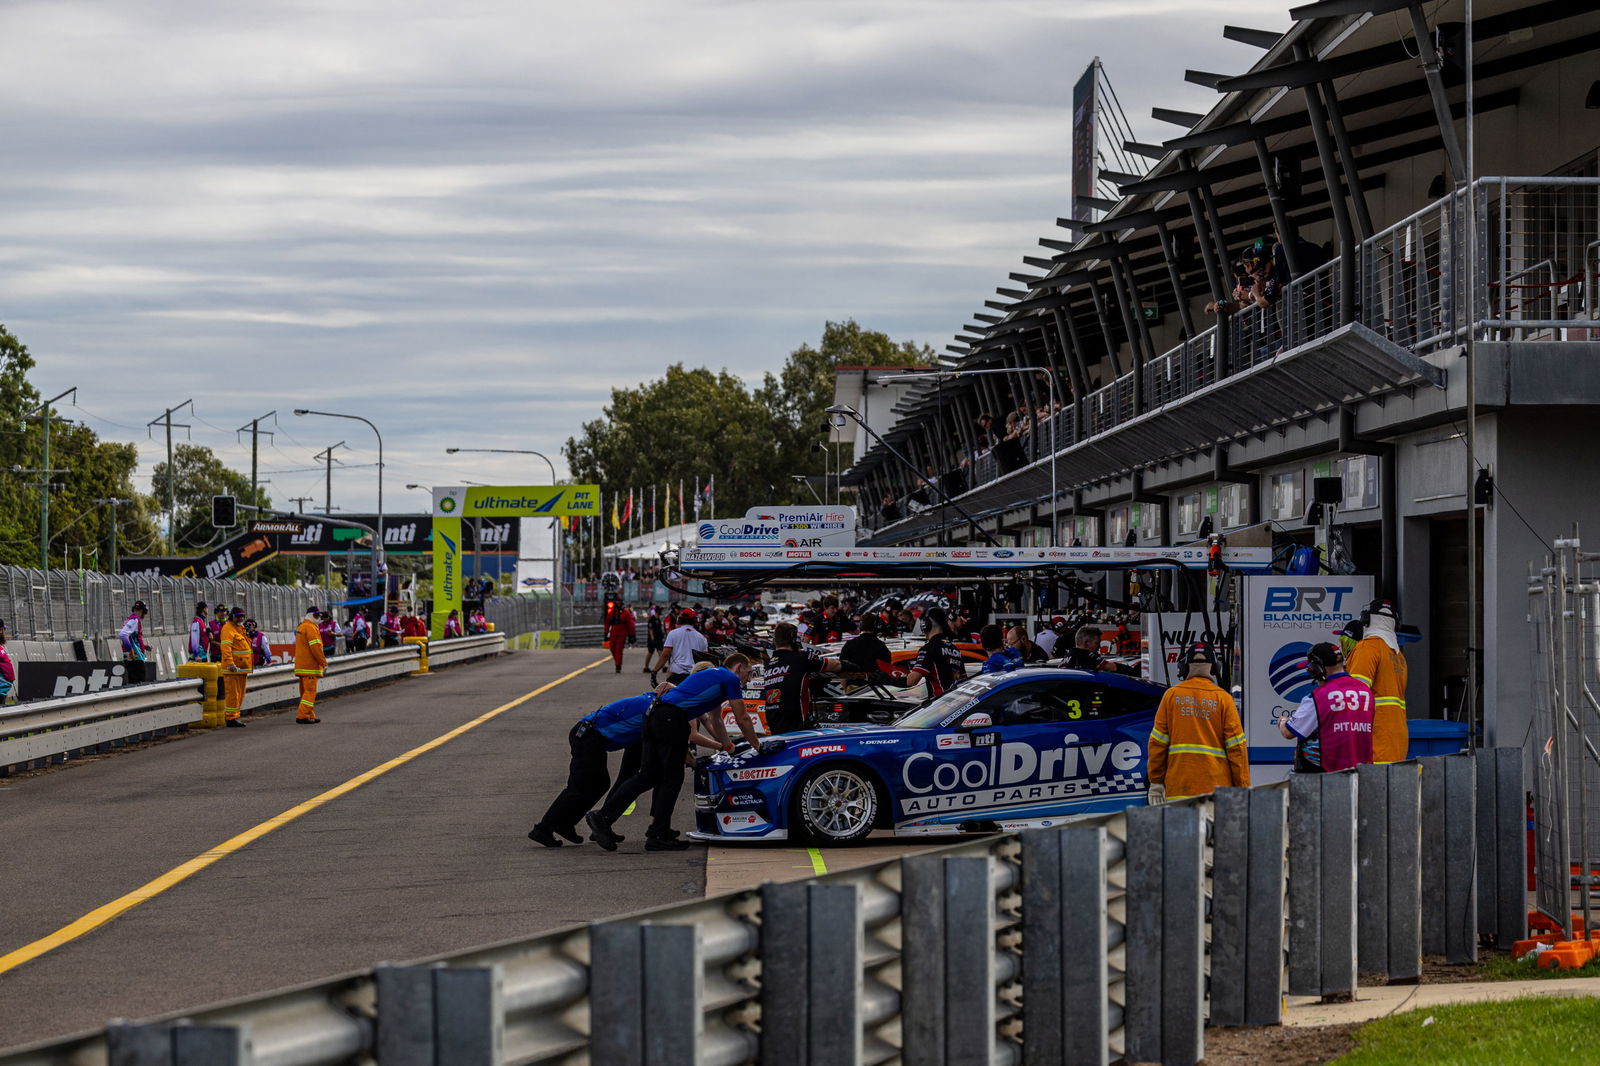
x: 1002, y: 553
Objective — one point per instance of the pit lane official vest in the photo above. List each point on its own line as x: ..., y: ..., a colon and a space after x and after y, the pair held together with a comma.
x: 1345, y: 709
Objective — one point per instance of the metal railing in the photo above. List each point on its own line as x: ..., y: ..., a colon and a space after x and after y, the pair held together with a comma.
x: 1537, y: 245
x: 1118, y: 935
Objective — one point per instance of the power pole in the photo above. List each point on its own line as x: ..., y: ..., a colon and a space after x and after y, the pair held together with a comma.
x: 300, y: 502
x: 112, y: 504
x: 254, y: 426
x: 172, y: 474
x: 326, y: 456
x: 43, y: 411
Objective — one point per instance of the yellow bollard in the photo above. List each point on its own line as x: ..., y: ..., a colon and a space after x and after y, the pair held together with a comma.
x: 211, y: 704
x: 422, y: 648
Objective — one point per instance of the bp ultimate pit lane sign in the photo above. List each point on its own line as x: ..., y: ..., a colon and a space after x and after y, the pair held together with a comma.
x: 1283, y: 618
x: 800, y: 528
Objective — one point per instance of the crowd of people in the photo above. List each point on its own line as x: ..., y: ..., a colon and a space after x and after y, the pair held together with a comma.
x: 1354, y: 713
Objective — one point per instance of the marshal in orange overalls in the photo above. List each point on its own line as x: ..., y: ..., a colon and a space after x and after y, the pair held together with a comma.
x: 1384, y: 670
x: 237, y: 662
x: 1197, y: 744
x: 310, y: 662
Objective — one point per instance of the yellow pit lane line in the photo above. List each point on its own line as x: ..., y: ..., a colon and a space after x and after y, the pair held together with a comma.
x: 178, y: 874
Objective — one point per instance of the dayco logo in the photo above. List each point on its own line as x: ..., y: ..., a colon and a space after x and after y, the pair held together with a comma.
x: 449, y: 569
x: 96, y: 680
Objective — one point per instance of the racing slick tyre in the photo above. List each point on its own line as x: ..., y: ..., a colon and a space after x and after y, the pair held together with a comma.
x: 837, y: 804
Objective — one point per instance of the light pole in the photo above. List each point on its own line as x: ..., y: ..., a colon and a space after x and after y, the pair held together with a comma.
x: 378, y: 564
x: 555, y: 523
x: 801, y: 479
x: 1055, y: 412
x: 842, y: 411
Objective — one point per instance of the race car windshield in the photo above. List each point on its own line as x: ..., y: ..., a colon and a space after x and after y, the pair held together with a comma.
x: 958, y: 699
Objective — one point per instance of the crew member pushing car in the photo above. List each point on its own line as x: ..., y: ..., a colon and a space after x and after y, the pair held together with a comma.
x: 666, y: 745
x: 618, y: 726
x: 786, y: 684
x: 1197, y: 743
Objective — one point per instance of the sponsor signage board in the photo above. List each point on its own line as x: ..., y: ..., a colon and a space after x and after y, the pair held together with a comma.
x: 232, y: 558
x: 45, y: 680
x: 757, y: 557
x: 516, y: 501
x: 1167, y: 634
x: 1283, y: 617
x: 789, y: 528
x: 403, y: 534
x: 275, y: 525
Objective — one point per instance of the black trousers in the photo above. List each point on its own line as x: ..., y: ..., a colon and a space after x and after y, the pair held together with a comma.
x: 587, y: 777
x: 666, y: 742
x: 781, y: 719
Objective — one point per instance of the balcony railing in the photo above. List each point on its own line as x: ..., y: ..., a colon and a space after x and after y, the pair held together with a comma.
x: 1537, y: 245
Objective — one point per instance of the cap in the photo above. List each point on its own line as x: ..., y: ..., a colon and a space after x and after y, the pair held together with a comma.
x: 1383, y: 607
x: 314, y: 609
x: 1353, y: 630
x: 139, y: 605
x: 1324, y: 655
x: 1200, y: 653
x: 237, y: 612
x: 686, y: 616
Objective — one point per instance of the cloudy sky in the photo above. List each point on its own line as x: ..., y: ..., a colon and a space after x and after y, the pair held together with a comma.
x: 468, y: 221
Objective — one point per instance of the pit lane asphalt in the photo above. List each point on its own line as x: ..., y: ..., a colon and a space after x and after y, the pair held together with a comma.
x: 426, y: 859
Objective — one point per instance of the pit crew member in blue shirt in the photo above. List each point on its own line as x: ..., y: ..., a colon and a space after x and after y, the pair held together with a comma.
x: 1003, y: 658
x: 618, y: 726
x: 699, y: 697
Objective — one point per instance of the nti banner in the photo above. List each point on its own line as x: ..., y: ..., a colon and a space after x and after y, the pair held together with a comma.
x: 403, y: 534
x: 783, y: 527
x: 1283, y: 617
x: 451, y: 504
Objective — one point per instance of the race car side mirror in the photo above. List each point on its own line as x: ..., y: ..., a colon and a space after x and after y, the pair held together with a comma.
x: 977, y: 721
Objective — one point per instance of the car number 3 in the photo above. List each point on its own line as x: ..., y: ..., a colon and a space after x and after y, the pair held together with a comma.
x: 1074, y: 709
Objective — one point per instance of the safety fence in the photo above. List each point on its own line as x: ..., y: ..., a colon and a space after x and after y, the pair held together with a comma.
x: 1564, y: 612
x: 1118, y: 936
x: 66, y: 605
x: 1536, y: 241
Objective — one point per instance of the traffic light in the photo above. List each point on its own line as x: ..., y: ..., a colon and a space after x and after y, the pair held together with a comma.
x: 224, y: 512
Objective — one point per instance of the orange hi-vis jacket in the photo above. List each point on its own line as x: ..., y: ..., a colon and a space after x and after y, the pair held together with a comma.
x: 237, y: 656
x: 1198, y: 741
x: 309, y: 658
x: 1384, y: 670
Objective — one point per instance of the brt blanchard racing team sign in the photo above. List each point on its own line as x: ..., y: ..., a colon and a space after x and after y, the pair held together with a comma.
x: 1283, y: 618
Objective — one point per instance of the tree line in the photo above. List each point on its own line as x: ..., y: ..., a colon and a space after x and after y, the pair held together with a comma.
x: 691, y: 424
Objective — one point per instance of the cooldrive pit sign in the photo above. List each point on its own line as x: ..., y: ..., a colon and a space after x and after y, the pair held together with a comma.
x: 783, y: 527
x: 1283, y: 618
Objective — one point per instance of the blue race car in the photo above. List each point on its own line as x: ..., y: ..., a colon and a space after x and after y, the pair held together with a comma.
x: 998, y: 751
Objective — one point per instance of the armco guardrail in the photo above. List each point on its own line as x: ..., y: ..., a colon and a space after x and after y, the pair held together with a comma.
x: 1084, y: 943
x: 94, y: 722
x: 46, y: 729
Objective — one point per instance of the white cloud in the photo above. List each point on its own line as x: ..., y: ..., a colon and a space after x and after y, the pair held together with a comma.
x: 470, y: 221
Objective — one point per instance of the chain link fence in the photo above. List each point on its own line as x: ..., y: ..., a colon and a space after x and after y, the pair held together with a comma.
x: 84, y: 604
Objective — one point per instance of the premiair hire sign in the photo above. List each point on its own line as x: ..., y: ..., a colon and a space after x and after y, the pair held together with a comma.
x: 782, y: 527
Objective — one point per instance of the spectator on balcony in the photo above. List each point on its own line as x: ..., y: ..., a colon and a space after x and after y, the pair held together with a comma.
x: 1008, y: 452
x: 890, y: 511
x: 986, y: 437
